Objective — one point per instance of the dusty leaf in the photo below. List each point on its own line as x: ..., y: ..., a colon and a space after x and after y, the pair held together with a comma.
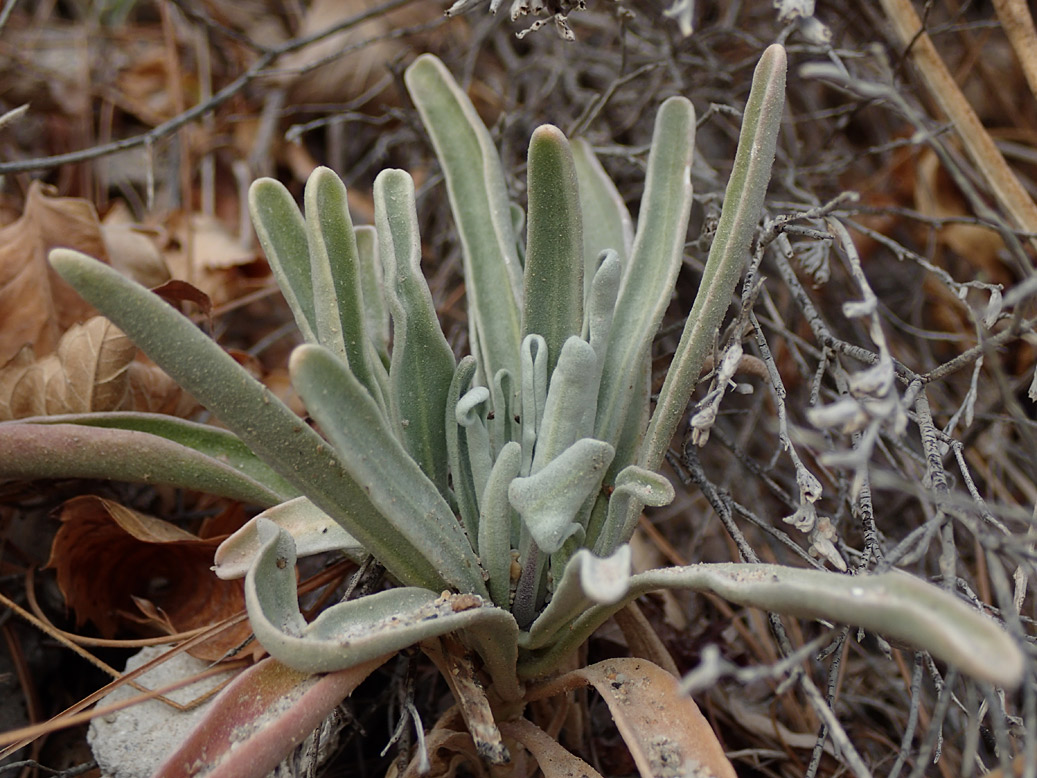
x: 36, y: 306
x: 554, y: 759
x: 107, y: 556
x: 259, y: 718
x: 666, y: 733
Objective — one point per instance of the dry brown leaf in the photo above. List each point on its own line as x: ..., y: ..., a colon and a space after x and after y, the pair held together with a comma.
x: 107, y: 556
x: 132, y: 249
x: 355, y: 72
x: 937, y: 197
x: 555, y: 760
x: 92, y: 370
x: 663, y: 728
x: 87, y: 372
x: 209, y: 253
x: 36, y: 306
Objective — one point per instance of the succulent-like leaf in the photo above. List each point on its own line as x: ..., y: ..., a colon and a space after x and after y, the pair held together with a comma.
x: 495, y: 523
x: 479, y: 201
x: 181, y: 453
x: 635, y: 488
x: 553, y: 279
x: 533, y: 361
x: 262, y: 422
x: 549, y: 500
x: 587, y: 580
x: 649, y: 276
x: 606, y: 220
x: 282, y: 234
x: 472, y: 414
x: 313, y: 531
x: 743, y: 205
x: 894, y: 604
x: 457, y: 446
x: 395, y: 485
x: 338, y: 301
x: 376, y: 309
x: 506, y: 425
x: 422, y: 362
x: 601, y: 304
x: 355, y: 631
x: 568, y: 413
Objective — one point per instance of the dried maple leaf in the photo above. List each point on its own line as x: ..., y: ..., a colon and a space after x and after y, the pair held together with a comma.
x: 113, y: 564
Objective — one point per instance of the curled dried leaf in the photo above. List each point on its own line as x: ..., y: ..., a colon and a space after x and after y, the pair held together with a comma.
x: 108, y: 556
x: 36, y: 306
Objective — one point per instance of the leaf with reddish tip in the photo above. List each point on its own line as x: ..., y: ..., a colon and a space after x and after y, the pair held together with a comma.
x: 259, y: 718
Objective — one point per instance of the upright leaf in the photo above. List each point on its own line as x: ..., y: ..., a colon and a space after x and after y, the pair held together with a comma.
x: 743, y: 205
x: 282, y: 234
x: 393, y: 482
x: 422, y: 364
x: 338, y: 300
x: 479, y: 201
x: 649, y: 276
x: 606, y: 220
x: 553, y: 280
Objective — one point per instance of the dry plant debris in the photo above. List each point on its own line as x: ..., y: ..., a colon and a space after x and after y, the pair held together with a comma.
x: 895, y: 424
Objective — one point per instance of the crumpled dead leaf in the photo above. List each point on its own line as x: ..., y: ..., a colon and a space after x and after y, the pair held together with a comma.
x: 93, y: 369
x: 36, y: 306
x: 119, y: 568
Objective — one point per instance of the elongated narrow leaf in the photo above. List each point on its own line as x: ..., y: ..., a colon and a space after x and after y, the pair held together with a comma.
x: 255, y: 722
x: 282, y: 234
x: 392, y: 481
x: 249, y: 409
x: 355, y: 631
x: 457, y: 447
x: 375, y: 307
x: 743, y: 205
x: 479, y: 200
x: 495, y: 523
x: 606, y: 220
x: 214, y: 442
x: 553, y: 279
x: 34, y: 451
x: 894, y: 604
x: 649, y: 276
x: 338, y: 300
x: 568, y: 413
x: 422, y: 360
x: 587, y: 580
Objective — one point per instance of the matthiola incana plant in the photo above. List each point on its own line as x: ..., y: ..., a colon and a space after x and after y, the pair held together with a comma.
x: 499, y: 491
